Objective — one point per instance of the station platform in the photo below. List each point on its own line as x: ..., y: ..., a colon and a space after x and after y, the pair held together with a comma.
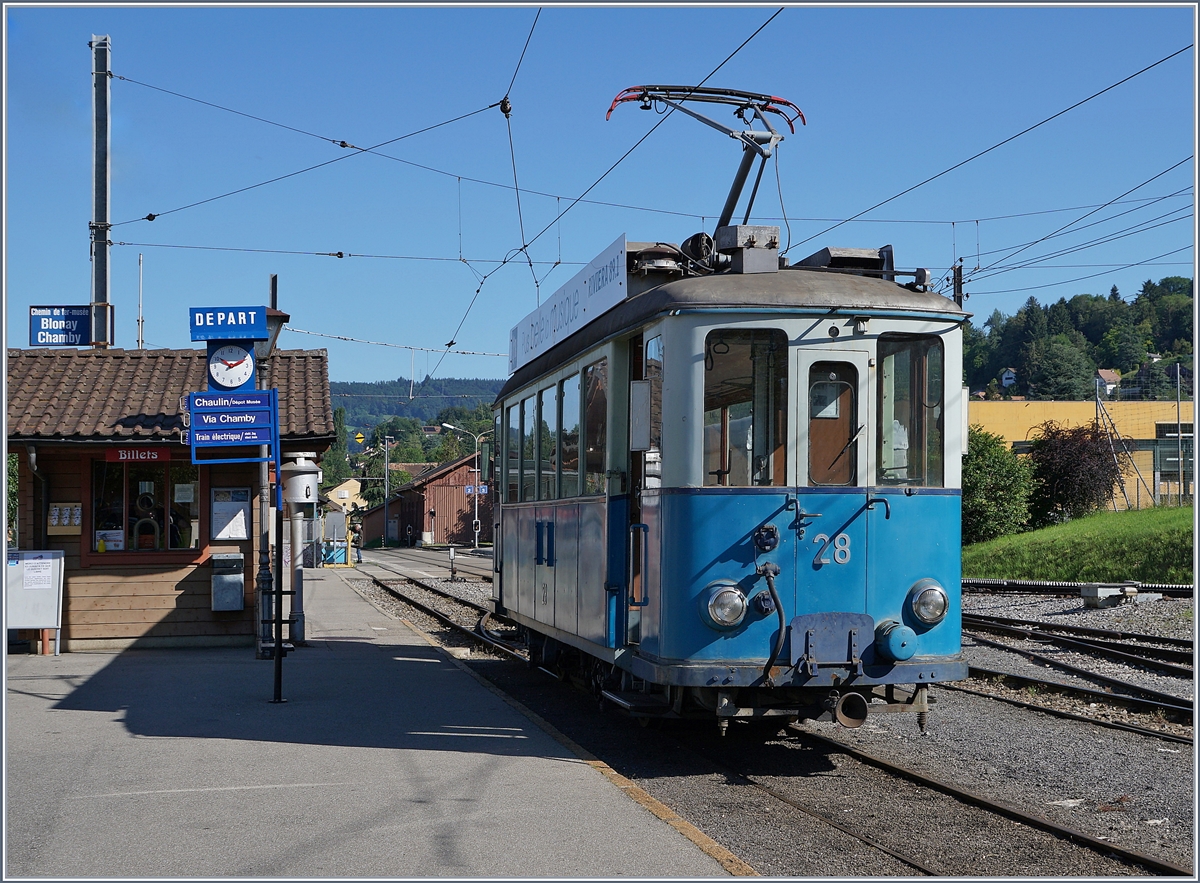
x: 388, y: 759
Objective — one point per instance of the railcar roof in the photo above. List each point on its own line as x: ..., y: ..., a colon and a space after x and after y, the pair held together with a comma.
x: 796, y: 288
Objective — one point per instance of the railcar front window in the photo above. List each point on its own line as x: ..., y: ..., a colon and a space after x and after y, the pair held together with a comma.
x: 568, y: 398
x: 745, y: 407
x: 911, y: 410
x: 595, y: 426
x: 833, y: 427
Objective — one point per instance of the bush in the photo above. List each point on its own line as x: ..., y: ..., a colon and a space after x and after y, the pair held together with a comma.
x: 997, y: 485
x: 1075, y: 471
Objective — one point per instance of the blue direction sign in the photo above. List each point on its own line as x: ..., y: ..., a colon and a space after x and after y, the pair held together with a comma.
x: 60, y: 326
x: 231, y: 419
x: 221, y: 437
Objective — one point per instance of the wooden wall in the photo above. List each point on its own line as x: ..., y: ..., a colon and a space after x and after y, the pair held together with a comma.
x: 113, y: 599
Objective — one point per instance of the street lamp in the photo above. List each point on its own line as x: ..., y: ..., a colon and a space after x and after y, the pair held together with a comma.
x: 477, y: 470
x: 387, y: 454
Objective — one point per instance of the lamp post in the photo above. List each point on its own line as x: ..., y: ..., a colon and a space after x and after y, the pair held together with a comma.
x: 387, y: 454
x: 477, y: 470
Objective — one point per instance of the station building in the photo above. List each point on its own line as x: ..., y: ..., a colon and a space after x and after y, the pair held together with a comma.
x: 105, y: 478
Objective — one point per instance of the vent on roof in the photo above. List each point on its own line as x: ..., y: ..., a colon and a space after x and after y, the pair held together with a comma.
x: 876, y: 261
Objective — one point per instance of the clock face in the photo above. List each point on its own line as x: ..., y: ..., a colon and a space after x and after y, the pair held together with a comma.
x: 231, y: 366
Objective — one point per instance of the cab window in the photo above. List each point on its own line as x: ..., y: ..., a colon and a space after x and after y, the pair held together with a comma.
x: 911, y: 411
x: 745, y: 407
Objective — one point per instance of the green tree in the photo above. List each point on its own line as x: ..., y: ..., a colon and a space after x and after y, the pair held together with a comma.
x: 1075, y: 471
x: 996, y: 487
x: 1060, y: 372
x: 335, y: 465
x: 14, y: 472
x: 1122, y: 348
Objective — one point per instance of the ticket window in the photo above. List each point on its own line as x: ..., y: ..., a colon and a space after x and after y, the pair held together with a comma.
x: 145, y: 507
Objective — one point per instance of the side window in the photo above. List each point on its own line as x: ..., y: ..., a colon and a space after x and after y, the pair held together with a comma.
x: 653, y: 372
x: 833, y: 427
x: 547, y: 443
x: 513, y: 460
x: 568, y: 401
x: 911, y: 410
x: 595, y: 426
x: 528, y: 449
x: 745, y: 407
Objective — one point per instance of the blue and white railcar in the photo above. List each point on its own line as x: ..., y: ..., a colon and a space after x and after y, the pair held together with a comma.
x: 729, y: 488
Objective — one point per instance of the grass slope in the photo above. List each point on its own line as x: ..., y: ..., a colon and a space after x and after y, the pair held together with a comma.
x: 1150, y: 546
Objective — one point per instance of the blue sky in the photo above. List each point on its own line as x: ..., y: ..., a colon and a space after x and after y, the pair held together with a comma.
x: 892, y: 96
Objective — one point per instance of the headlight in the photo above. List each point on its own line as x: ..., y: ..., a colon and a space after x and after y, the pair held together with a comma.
x: 930, y: 604
x: 726, y: 605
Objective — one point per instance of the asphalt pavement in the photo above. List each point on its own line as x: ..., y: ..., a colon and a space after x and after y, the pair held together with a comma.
x: 387, y: 759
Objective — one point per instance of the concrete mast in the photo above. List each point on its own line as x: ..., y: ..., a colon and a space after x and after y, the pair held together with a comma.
x: 101, y: 308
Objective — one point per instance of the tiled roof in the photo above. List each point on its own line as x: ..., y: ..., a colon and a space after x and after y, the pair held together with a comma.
x: 135, y: 394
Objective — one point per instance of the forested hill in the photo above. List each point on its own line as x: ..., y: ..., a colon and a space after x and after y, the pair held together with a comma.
x: 368, y: 404
x: 1055, y: 349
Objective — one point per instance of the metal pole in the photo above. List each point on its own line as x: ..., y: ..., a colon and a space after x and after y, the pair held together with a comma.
x: 141, y: 338
x: 263, y: 579
x: 278, y: 697
x: 478, y: 476
x: 297, y: 629
x: 101, y: 139
x: 386, y: 487
x: 1179, y: 429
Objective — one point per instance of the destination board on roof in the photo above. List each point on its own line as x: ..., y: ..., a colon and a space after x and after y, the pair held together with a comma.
x: 593, y: 291
x: 228, y: 323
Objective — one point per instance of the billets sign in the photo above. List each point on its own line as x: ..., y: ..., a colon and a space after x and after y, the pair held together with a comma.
x: 228, y: 323
x: 60, y: 326
x: 593, y: 291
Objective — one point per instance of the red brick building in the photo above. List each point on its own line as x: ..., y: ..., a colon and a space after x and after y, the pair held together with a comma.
x: 436, y: 506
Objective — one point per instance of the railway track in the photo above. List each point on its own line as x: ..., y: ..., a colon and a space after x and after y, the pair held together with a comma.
x: 1103, y: 846
x: 1108, y: 644
x: 789, y: 792
x: 472, y: 625
x: 1090, y: 706
x: 1052, y: 587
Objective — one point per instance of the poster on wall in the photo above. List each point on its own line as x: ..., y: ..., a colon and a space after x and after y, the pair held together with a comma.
x: 231, y: 513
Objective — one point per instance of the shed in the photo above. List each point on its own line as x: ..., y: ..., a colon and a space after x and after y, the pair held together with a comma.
x: 104, y: 477
x: 437, y: 506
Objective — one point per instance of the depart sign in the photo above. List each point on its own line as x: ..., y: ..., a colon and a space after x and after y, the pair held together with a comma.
x: 228, y: 323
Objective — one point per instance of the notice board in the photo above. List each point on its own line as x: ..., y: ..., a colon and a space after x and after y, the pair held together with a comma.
x: 33, y: 583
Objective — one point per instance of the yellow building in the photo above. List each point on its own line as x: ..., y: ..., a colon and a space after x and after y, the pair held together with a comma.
x: 1135, y: 422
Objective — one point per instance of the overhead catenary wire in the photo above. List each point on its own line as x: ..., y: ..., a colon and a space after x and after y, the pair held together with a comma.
x: 1148, y: 261
x: 358, y: 151
x: 1007, y: 140
x: 557, y: 196
x: 1090, y: 213
x: 401, y: 346
x: 610, y: 169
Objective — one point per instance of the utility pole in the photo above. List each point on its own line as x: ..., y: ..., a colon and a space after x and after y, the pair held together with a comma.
x: 478, y: 477
x: 386, y: 486
x: 141, y: 337
x: 958, y: 284
x: 101, y: 308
